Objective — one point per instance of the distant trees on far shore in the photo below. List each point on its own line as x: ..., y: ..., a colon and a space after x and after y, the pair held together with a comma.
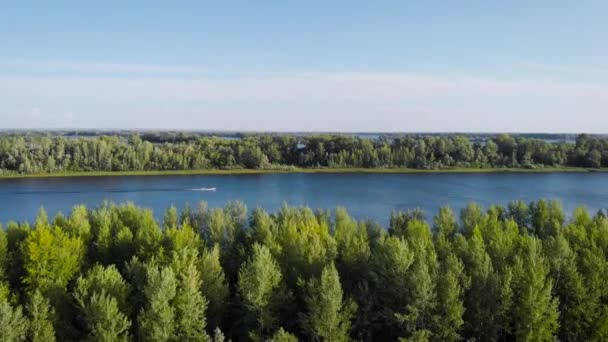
x: 40, y: 153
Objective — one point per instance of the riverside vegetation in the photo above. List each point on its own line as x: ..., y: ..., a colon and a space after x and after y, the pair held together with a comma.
x: 522, y: 272
x: 23, y: 154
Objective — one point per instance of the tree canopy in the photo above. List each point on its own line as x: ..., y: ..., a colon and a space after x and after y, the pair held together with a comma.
x: 30, y: 153
x: 114, y: 273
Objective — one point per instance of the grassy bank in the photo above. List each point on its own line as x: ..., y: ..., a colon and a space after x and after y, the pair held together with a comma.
x: 300, y: 170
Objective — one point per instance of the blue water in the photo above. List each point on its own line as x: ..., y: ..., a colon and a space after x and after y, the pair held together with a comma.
x: 371, y: 196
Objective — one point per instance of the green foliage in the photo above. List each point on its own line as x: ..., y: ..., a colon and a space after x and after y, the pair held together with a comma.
x: 445, y: 222
x: 450, y: 306
x: 283, y: 336
x: 190, y: 304
x: 179, y: 238
x: 14, y: 324
x: 102, y: 298
x: 14, y: 271
x: 391, y: 262
x: 303, y: 243
x: 352, y: 243
x: 157, y: 319
x: 170, y: 218
x: 420, y: 281
x: 470, y: 217
x: 40, y: 314
x: 328, y: 314
x: 51, y: 257
x: 78, y: 223
x: 104, y: 320
x: 214, y: 286
x: 262, y: 291
x: 111, y: 273
x: 533, y: 305
x: 103, y: 279
x: 49, y: 152
x: 3, y: 253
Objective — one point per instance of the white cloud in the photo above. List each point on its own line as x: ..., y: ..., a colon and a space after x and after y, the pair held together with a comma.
x: 96, y: 67
x: 312, y: 101
x: 569, y: 69
x: 343, y: 86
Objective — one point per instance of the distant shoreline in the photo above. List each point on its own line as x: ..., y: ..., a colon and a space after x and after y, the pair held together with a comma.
x: 300, y: 170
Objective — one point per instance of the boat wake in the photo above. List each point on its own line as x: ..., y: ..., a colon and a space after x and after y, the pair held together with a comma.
x: 203, y: 189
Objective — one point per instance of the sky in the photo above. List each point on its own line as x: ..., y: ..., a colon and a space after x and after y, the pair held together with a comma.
x: 353, y: 66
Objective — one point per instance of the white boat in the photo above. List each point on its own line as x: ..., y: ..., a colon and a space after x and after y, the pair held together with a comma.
x: 204, y: 189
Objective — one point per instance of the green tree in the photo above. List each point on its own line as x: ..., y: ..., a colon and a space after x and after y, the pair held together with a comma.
x: 328, y: 314
x: 570, y: 290
x: 13, y: 325
x: 421, y: 280
x: 3, y: 253
x: 40, y: 314
x: 304, y: 244
x: 261, y: 288
x: 78, y: 223
x: 391, y: 262
x: 179, y: 238
x: 157, y: 319
x: 353, y: 248
x: 534, y: 308
x: 42, y: 219
x: 445, y: 222
x: 489, y: 297
x: 105, y: 321
x: 102, y: 298
x: 170, y: 217
x: 547, y: 217
x: 189, y: 302
x: 471, y: 216
x: 214, y: 286
x: 51, y: 258
x: 451, y: 284
x: 283, y: 336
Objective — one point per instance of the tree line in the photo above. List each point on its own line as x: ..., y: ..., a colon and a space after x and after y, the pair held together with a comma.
x: 39, y: 153
x: 521, y: 272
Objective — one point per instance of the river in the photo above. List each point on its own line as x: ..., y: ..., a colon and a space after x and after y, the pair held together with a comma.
x: 365, y: 195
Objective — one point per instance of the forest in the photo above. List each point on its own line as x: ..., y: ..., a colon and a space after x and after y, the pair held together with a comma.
x: 26, y: 153
x: 525, y: 272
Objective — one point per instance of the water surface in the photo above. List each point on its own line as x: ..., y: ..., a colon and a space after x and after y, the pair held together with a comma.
x: 371, y: 195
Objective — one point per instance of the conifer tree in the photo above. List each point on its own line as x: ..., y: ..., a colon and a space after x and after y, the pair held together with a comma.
x: 157, y: 319
x: 170, y: 218
x: 420, y: 281
x: 102, y: 298
x: 570, y: 290
x: 328, y: 314
x: 104, y: 320
x: 13, y: 324
x: 534, y: 309
x: 78, y: 223
x: 283, y: 336
x: 214, y: 286
x: 451, y: 284
x: 391, y: 262
x: 3, y: 254
x: 189, y: 303
x: 262, y: 291
x: 445, y: 222
x: 40, y: 314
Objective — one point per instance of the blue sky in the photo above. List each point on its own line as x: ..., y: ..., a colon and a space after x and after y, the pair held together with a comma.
x: 306, y: 65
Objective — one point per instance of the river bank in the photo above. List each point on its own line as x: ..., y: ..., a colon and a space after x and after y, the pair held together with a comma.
x: 298, y: 170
